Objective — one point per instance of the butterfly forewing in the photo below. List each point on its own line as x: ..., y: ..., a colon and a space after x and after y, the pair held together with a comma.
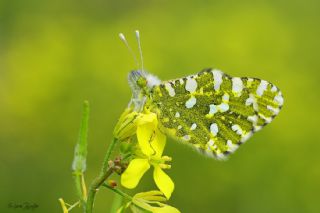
x: 213, y: 111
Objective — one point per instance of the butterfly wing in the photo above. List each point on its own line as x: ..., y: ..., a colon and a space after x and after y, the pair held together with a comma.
x: 213, y: 111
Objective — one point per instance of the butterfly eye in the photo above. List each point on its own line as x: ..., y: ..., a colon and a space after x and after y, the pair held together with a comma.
x: 142, y: 82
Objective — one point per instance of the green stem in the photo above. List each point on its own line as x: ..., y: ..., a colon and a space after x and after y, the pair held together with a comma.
x: 97, y: 182
x: 73, y: 205
x: 78, y: 179
x: 118, y: 191
x: 107, y: 156
x: 80, y: 156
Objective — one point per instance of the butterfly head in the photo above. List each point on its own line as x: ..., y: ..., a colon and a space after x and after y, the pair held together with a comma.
x: 141, y: 84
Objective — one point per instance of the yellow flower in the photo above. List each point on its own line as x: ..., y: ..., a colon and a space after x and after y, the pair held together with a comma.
x: 151, y: 143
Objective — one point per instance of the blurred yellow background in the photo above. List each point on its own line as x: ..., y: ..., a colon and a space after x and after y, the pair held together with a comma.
x: 55, y: 54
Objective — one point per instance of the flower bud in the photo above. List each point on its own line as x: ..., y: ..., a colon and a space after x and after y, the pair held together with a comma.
x: 126, y: 126
x: 118, y: 170
x: 117, y: 160
x: 164, y: 166
x: 112, y: 183
x: 166, y: 158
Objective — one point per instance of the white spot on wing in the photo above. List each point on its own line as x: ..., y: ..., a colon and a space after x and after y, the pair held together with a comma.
x: 267, y: 119
x: 237, y: 129
x: 225, y: 97
x: 272, y: 109
x: 257, y: 128
x: 213, y: 109
x: 191, y: 85
x: 193, y: 126
x: 223, y: 107
x: 186, y: 137
x: 253, y: 119
x: 237, y: 86
x: 252, y: 100
x: 170, y: 89
x: 191, y: 102
x: 211, y: 142
x: 232, y: 147
x: 262, y: 87
x: 279, y: 99
x: 217, y: 77
x: 177, y: 115
x: 214, y: 129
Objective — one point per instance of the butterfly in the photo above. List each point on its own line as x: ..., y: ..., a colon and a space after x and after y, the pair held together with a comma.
x: 210, y: 110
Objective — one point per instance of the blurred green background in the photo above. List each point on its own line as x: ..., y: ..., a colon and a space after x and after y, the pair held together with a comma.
x: 55, y: 54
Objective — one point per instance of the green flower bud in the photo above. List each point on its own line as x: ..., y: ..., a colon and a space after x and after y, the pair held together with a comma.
x: 126, y: 126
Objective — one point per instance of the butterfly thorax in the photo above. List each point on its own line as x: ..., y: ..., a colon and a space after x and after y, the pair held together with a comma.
x: 141, y: 84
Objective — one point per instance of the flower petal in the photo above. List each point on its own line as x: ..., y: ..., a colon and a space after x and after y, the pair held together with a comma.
x: 158, y: 143
x: 146, y: 118
x: 150, y: 196
x: 132, y: 175
x: 148, y: 193
x: 145, y: 133
x: 163, y: 181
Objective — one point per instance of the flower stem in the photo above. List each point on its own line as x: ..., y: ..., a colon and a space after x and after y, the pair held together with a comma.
x: 107, y: 156
x: 118, y: 191
x: 98, y: 181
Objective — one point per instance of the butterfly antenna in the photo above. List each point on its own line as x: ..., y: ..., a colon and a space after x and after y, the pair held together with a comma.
x: 139, y: 46
x: 124, y: 40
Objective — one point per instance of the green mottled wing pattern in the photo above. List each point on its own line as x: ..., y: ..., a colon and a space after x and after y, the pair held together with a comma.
x: 213, y: 111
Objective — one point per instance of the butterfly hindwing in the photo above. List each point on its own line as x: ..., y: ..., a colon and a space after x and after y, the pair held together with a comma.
x: 213, y: 111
